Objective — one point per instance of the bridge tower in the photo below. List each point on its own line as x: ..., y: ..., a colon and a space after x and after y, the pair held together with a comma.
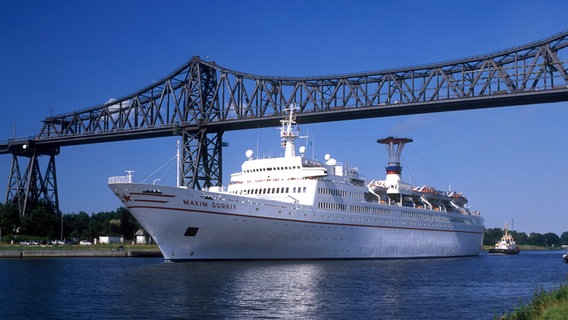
x: 32, y: 188
x: 202, y: 148
x: 201, y: 159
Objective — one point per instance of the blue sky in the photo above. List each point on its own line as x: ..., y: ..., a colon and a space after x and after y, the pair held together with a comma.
x: 63, y: 56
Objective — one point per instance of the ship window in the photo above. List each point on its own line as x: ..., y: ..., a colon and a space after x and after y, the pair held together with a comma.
x: 152, y: 191
x: 191, y: 232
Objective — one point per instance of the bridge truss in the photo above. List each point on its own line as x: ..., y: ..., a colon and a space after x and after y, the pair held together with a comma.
x: 201, y: 100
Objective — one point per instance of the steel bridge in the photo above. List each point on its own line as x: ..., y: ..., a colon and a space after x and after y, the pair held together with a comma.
x: 201, y: 100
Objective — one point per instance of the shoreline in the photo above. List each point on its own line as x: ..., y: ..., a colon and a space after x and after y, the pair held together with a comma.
x: 119, y: 250
x: 22, y: 254
x: 96, y: 251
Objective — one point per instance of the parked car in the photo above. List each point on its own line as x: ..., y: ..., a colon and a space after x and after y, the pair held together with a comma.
x: 85, y: 243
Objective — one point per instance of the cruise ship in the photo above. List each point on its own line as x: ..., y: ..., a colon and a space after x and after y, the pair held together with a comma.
x: 293, y: 207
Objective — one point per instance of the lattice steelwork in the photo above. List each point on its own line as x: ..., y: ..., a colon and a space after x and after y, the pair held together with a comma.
x: 202, y: 94
x: 201, y: 166
x: 201, y: 100
x: 32, y: 188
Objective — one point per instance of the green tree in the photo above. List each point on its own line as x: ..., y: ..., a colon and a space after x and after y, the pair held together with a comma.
x: 551, y: 240
x: 75, y: 225
x: 536, y: 239
x: 9, y: 220
x: 520, y: 237
x: 100, y: 224
x: 491, y: 236
x: 128, y: 225
x: 41, y: 222
x: 564, y: 238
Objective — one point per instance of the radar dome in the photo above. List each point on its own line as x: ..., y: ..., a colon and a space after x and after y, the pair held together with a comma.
x: 302, y: 149
x: 249, y: 153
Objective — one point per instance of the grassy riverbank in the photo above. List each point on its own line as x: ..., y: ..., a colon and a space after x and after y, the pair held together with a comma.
x: 545, y: 305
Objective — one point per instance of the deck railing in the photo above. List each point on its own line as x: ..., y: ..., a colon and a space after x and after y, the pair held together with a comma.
x: 120, y: 179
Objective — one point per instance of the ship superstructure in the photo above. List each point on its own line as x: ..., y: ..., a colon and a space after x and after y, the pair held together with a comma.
x: 293, y: 207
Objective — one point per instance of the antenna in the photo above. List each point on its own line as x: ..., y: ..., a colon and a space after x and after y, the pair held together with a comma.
x: 178, y: 164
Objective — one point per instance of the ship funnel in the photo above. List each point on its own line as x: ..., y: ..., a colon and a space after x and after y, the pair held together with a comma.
x: 394, y: 149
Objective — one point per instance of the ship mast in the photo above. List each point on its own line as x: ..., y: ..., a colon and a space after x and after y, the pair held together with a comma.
x: 288, y: 133
x: 178, y: 166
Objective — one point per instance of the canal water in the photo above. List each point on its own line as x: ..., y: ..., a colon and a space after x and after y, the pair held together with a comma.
x: 147, y: 288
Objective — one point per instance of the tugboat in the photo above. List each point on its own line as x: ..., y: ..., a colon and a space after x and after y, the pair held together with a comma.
x: 506, y: 245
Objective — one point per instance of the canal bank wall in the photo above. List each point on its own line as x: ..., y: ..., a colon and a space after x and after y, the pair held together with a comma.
x: 78, y: 253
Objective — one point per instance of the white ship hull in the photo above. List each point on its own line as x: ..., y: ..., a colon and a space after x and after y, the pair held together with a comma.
x: 293, y: 207
x: 197, y: 225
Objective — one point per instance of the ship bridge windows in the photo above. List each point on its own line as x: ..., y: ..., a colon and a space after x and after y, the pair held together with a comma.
x: 275, y: 190
x: 340, y: 193
x: 264, y: 169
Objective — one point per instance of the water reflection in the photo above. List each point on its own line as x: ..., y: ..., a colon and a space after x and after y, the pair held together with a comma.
x: 285, y: 289
x: 456, y: 288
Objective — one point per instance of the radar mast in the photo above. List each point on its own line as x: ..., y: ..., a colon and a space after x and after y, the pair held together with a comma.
x: 288, y: 133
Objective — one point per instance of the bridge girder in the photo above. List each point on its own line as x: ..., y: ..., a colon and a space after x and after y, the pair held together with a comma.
x: 201, y: 100
x: 202, y: 94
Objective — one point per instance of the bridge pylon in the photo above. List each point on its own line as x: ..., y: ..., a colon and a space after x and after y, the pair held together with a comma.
x: 32, y: 188
x: 201, y: 159
x: 202, y: 146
